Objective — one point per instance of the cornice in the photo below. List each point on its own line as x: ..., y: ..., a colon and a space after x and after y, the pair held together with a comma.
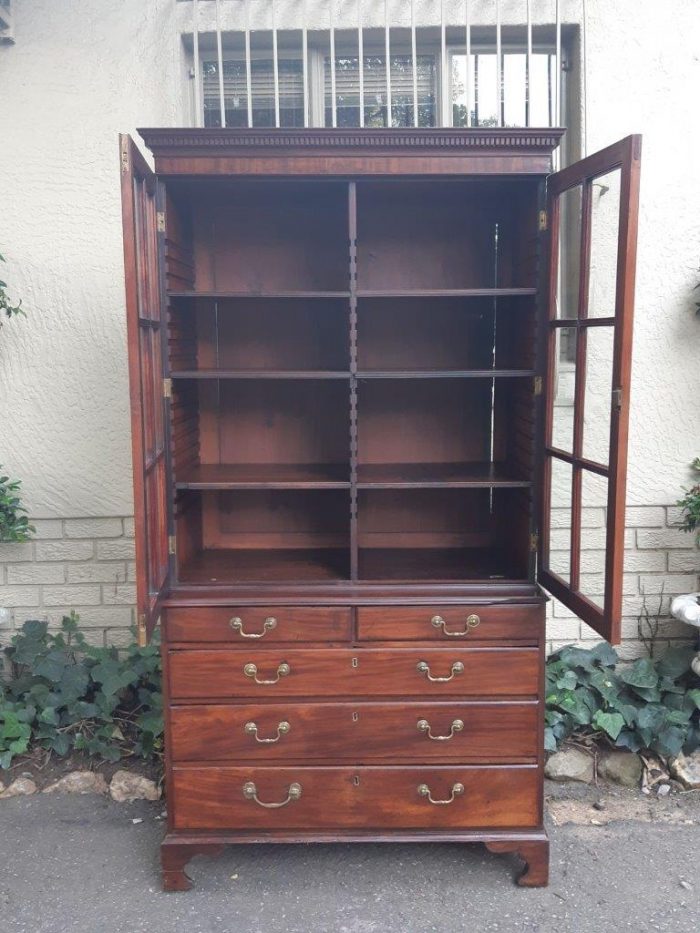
x: 385, y: 140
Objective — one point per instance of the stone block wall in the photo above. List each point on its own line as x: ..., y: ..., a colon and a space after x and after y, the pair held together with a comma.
x: 81, y: 564
x: 87, y: 564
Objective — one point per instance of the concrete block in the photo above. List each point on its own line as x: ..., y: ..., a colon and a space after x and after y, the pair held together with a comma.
x: 36, y: 573
x: 93, y: 528
x: 72, y: 595
x: 64, y: 550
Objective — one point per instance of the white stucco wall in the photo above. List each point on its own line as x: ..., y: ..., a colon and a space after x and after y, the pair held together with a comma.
x: 82, y: 71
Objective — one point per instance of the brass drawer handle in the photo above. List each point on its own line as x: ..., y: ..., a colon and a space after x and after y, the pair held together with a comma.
x: 457, y: 790
x: 252, y: 729
x: 424, y: 726
x: 251, y: 670
x: 236, y: 624
x: 424, y: 668
x: 250, y: 792
x: 472, y: 621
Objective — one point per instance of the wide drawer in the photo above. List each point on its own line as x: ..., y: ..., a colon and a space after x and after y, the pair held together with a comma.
x: 202, y: 673
x: 449, y: 623
x: 496, y: 731
x: 250, y: 624
x: 219, y: 798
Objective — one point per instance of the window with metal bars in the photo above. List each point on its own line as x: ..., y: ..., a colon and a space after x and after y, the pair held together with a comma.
x: 527, y: 95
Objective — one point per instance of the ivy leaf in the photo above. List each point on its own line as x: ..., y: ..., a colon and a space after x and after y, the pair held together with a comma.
x: 611, y: 723
x: 628, y: 739
x: 568, y: 681
x: 605, y: 654
x: 641, y: 674
x: 675, y: 662
x: 608, y: 685
x: 670, y: 741
x: 694, y: 696
x: 652, y: 717
x: 550, y: 742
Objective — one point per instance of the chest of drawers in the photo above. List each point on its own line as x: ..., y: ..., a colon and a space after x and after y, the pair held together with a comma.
x: 331, y: 723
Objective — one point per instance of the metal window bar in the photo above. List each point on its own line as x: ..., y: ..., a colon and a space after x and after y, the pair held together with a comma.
x: 361, y: 61
x: 248, y: 67
x: 414, y: 62
x: 331, y: 42
x: 305, y: 61
x: 387, y: 62
x: 198, y: 100
x: 528, y: 62
x: 474, y: 74
x: 275, y: 64
x: 499, y: 69
x: 220, y: 66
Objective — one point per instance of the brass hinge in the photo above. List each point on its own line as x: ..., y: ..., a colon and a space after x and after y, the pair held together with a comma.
x: 160, y: 221
x: 617, y: 398
x: 172, y: 544
x: 534, y: 542
x: 124, y: 154
x: 167, y: 388
x: 142, y: 636
x: 537, y: 385
x: 542, y: 222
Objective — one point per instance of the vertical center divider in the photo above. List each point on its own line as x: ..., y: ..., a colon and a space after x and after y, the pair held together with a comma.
x: 352, y: 333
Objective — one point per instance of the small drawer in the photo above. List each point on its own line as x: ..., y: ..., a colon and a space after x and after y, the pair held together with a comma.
x: 425, y: 797
x: 450, y: 623
x: 201, y: 673
x: 409, y: 731
x: 258, y: 624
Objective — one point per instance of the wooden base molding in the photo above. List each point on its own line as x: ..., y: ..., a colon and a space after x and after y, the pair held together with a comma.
x: 177, y: 849
x: 535, y: 854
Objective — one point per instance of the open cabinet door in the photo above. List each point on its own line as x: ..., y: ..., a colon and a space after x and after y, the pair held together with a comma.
x: 592, y: 216
x: 143, y: 231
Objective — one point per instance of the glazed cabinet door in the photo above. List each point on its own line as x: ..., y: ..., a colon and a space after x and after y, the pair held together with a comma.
x: 592, y: 217
x: 143, y: 222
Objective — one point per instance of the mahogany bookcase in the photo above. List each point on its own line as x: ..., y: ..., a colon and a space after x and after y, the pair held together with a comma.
x: 343, y: 351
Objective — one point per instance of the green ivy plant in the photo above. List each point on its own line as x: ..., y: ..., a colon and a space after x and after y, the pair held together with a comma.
x: 690, y: 504
x: 65, y: 694
x: 7, y: 308
x: 14, y: 524
x: 651, y: 705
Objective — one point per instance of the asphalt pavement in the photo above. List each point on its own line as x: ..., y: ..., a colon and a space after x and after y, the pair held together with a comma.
x: 83, y: 864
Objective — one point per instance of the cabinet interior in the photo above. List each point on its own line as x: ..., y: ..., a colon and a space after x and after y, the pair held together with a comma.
x: 352, y: 373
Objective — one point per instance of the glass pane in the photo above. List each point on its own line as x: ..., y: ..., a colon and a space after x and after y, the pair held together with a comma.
x: 514, y: 84
x: 560, y: 533
x: 483, y: 96
x: 605, y: 222
x: 594, y: 500
x: 597, y: 397
x: 570, y: 207
x: 347, y: 90
x: 563, y: 409
x: 291, y: 92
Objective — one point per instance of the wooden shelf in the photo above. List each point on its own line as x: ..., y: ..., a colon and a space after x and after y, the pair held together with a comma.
x: 435, y: 564
x: 266, y: 476
x: 447, y: 374
x: 251, y: 294
x: 259, y: 374
x: 437, y: 476
x: 446, y: 293
x: 227, y: 566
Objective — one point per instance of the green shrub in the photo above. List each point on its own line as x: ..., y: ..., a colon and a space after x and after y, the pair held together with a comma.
x: 14, y: 525
x: 646, y: 705
x: 65, y: 694
x: 690, y: 504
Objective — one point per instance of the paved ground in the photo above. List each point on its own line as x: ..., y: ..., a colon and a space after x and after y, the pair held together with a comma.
x: 81, y: 864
